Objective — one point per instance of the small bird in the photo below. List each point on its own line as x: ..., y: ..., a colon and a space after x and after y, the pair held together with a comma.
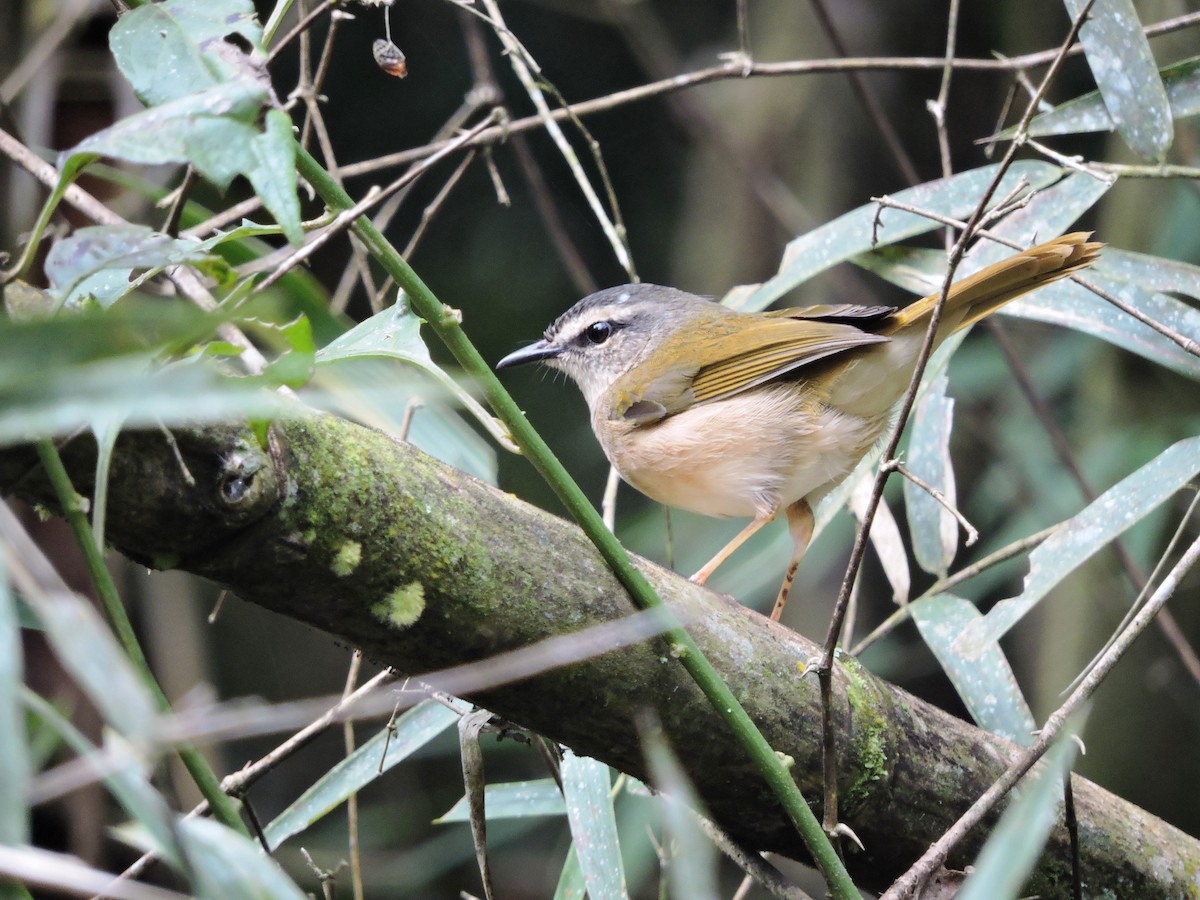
x: 727, y: 413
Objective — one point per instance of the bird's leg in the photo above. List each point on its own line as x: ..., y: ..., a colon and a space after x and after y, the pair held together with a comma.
x: 742, y: 536
x: 800, y: 524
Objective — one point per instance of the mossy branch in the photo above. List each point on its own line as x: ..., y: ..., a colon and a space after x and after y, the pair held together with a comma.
x: 421, y: 566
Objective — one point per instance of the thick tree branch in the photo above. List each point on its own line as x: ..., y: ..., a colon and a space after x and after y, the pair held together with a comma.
x: 382, y: 547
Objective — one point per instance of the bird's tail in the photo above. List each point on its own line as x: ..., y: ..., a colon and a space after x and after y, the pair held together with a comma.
x: 987, y: 290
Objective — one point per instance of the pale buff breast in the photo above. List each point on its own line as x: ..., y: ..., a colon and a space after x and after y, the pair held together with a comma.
x: 747, y: 456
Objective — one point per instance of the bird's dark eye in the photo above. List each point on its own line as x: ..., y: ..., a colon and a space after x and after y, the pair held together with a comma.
x: 599, y: 332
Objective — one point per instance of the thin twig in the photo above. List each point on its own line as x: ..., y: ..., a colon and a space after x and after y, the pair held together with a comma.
x: 301, y: 27
x: 346, y: 219
x: 825, y: 667
x: 867, y: 99
x: 757, y: 869
x: 1016, y: 548
x: 1066, y: 457
x: 684, y: 81
x: 356, y: 877
x: 972, y: 532
x: 610, y: 224
x: 236, y: 783
x: 911, y: 881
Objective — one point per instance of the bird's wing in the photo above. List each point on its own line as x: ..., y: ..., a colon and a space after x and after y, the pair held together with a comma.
x: 734, y: 355
x: 772, y: 346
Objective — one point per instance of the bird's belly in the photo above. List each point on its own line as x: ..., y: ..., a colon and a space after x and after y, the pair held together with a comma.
x: 778, y: 449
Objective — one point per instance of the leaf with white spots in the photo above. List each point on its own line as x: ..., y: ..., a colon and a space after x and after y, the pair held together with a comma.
x: 934, y: 529
x: 1088, y: 113
x: 986, y: 683
x: 1081, y: 537
x: 856, y: 231
x: 1119, y: 55
x: 885, y: 538
x: 512, y: 800
x: 588, y: 793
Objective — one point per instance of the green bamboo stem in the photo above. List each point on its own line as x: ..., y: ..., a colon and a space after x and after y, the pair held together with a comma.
x: 206, y: 780
x: 445, y: 323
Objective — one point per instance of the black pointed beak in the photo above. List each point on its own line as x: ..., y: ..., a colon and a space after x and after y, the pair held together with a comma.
x: 533, y: 353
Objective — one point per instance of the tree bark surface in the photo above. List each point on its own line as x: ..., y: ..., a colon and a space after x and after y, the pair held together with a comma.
x: 423, y: 567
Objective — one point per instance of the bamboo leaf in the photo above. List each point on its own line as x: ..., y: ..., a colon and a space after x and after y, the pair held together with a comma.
x: 14, y: 749
x: 513, y: 800
x: 985, y: 683
x: 587, y: 791
x: 1082, y: 536
x: 1118, y: 53
x: 1017, y: 841
x: 413, y: 730
x: 853, y: 233
x: 934, y: 530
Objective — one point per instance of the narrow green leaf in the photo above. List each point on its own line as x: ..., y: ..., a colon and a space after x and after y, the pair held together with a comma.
x: 14, y: 749
x: 934, y: 530
x: 512, y: 800
x: 225, y: 864
x: 692, y: 864
x: 87, y: 649
x: 413, y: 730
x: 1118, y: 53
x: 985, y: 683
x: 1088, y: 112
x: 587, y: 790
x: 1017, y: 841
x: 571, y: 885
x: 130, y: 390
x: 853, y: 233
x: 1082, y: 536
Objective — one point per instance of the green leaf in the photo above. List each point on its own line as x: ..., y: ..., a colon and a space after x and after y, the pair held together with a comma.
x: 97, y: 262
x: 512, y: 800
x: 1118, y: 53
x: 1088, y: 113
x: 395, y: 334
x: 1082, y: 536
x: 211, y: 129
x: 225, y: 864
x: 934, y: 529
x: 134, y: 390
x: 587, y: 790
x: 570, y: 881
x: 124, y: 774
x: 852, y: 234
x: 14, y: 749
x: 1015, y: 845
x: 413, y: 730
x: 985, y: 683
x: 167, y: 50
x: 273, y: 174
